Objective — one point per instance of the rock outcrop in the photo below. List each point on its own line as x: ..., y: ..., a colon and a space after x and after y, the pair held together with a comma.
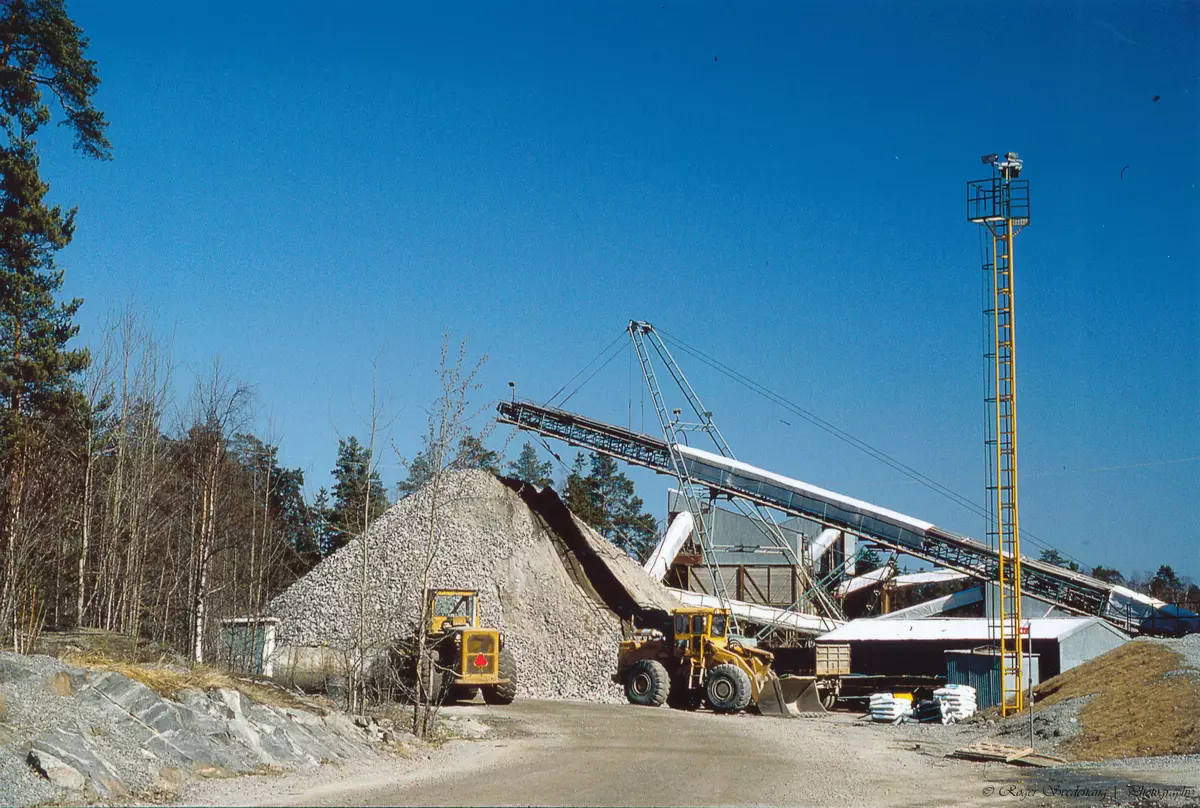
x: 71, y: 732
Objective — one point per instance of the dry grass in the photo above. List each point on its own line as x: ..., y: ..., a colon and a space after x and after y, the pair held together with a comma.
x: 168, y: 680
x: 1137, y: 711
x: 61, y: 641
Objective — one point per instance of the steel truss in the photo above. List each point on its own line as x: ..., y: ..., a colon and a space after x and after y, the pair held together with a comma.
x: 1044, y: 581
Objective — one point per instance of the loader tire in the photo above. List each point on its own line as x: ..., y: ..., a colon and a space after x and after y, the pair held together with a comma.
x: 647, y: 683
x: 433, y: 680
x: 727, y: 688
x: 505, y: 692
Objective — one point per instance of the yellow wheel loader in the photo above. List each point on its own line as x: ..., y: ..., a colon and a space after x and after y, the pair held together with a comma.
x: 466, y: 658
x: 700, y: 662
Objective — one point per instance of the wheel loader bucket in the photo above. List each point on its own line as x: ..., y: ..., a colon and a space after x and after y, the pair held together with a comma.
x: 789, y: 696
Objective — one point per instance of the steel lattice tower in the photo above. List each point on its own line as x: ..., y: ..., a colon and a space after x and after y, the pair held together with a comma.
x: 1001, y: 204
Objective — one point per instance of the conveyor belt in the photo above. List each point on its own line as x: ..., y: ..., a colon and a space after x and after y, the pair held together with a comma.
x: 1061, y: 587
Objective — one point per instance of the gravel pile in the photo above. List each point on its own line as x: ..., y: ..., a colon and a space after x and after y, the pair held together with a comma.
x: 1187, y: 647
x: 487, y: 539
x: 1056, y: 725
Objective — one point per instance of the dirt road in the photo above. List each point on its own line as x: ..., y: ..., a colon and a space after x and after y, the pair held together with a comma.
x: 560, y: 753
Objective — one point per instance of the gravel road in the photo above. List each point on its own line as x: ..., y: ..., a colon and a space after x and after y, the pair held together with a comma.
x: 563, y: 753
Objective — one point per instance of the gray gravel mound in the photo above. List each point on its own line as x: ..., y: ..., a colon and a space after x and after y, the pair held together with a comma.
x: 1187, y: 647
x: 1053, y: 726
x: 487, y: 539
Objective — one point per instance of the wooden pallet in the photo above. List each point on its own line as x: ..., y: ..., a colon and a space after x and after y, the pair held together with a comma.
x: 1013, y: 755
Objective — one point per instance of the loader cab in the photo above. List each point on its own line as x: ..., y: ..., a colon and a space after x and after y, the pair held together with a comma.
x: 452, y: 609
x: 692, y: 626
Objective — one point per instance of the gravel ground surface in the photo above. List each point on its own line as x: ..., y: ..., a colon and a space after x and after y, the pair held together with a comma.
x: 564, y: 641
x: 558, y: 753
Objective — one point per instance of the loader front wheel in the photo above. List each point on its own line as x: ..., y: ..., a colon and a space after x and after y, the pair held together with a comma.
x: 505, y: 692
x: 647, y: 683
x: 727, y: 688
x: 432, y: 685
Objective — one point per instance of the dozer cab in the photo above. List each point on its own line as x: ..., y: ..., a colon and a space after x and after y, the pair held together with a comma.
x: 699, y: 662
x: 466, y: 657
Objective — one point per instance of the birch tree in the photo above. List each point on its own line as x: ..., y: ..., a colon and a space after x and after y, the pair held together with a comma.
x: 448, y: 424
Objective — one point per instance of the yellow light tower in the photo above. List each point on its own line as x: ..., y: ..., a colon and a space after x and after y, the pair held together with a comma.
x: 1001, y: 204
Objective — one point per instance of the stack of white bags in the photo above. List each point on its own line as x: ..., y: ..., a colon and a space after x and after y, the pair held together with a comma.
x: 958, y: 701
x: 889, y: 707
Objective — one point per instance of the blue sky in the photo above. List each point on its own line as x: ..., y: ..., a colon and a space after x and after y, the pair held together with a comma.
x: 299, y: 188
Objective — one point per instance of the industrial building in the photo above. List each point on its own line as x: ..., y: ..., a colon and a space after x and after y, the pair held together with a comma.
x: 888, y: 647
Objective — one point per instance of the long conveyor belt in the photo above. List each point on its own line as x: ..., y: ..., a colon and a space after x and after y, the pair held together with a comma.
x: 1061, y: 587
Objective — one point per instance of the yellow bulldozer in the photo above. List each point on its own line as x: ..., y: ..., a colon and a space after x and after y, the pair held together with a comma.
x: 466, y: 657
x: 700, y: 662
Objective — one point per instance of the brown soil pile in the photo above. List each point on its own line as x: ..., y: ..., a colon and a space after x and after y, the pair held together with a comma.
x: 1144, y: 704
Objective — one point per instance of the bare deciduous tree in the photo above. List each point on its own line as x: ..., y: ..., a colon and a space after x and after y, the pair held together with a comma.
x: 448, y: 423
x: 217, y: 410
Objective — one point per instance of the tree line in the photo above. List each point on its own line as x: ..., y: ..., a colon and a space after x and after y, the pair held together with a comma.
x: 1164, y: 584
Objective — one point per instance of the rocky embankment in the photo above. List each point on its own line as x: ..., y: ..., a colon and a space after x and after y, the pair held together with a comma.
x: 68, y: 734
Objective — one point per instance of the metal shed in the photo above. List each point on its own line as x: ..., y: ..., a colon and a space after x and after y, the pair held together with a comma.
x: 1091, y: 639
x: 889, y: 646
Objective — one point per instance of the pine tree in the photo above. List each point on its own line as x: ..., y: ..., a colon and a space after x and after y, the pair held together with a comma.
x: 296, y: 522
x: 527, y: 469
x: 420, y: 472
x: 605, y: 500
x: 1108, y: 575
x: 867, y: 560
x: 472, y: 454
x: 1052, y: 556
x: 41, y: 49
x: 325, y: 534
x: 350, y: 491
x: 1165, y: 585
x: 577, y: 492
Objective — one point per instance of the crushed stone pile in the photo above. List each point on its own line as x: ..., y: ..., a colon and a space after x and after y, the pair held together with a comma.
x: 1188, y: 647
x: 562, y: 636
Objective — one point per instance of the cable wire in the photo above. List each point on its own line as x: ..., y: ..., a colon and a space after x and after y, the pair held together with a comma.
x: 583, y: 369
x: 615, y: 354
x: 841, y: 434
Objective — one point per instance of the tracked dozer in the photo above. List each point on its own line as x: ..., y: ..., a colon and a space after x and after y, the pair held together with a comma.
x: 701, y: 663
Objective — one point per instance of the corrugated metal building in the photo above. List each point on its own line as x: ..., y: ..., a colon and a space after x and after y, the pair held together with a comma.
x: 752, y: 567
x: 894, y: 647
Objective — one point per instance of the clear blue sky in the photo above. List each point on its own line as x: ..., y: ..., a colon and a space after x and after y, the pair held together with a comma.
x: 297, y: 186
